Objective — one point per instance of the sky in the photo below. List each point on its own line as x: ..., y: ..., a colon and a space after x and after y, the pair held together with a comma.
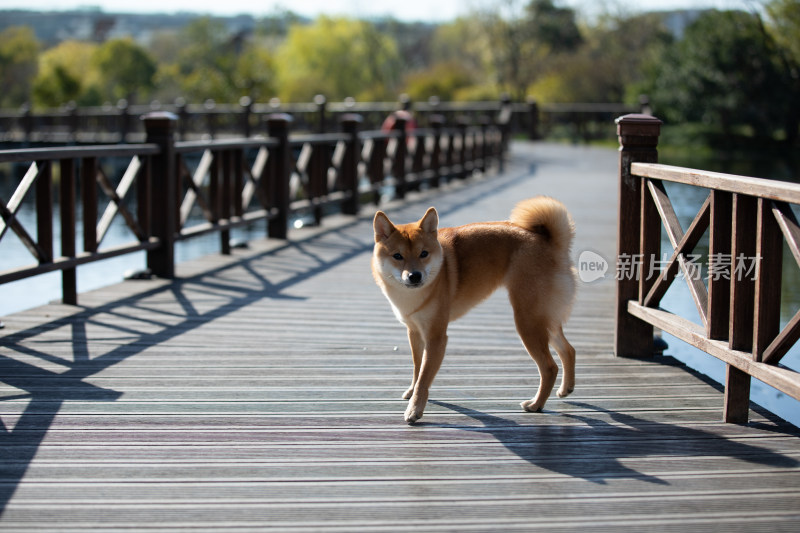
x: 406, y: 10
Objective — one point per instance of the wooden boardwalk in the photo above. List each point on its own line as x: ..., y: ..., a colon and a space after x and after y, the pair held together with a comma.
x: 262, y: 391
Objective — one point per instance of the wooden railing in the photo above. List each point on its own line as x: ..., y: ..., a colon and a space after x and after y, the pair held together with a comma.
x: 119, y: 123
x: 747, y: 221
x: 232, y: 183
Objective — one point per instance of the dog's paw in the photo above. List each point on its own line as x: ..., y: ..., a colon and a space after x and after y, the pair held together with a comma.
x: 532, y: 406
x: 413, y: 413
x: 563, y: 392
x: 408, y: 394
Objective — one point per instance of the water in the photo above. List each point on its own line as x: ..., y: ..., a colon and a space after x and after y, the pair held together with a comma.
x: 40, y: 290
x: 686, y: 201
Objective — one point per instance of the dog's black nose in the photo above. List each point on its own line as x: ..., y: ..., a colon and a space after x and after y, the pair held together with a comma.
x: 415, y: 277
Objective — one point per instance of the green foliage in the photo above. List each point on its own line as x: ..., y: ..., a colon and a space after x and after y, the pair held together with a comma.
x: 18, y: 64
x: 723, y: 72
x: 339, y: 58
x: 206, y: 61
x: 729, y: 72
x: 784, y: 17
x: 526, y: 45
x: 126, y: 70
x: 66, y: 74
x: 444, y: 80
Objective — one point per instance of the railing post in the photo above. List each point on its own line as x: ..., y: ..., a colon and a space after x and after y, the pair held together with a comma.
x: 182, y: 110
x: 69, y: 283
x: 742, y: 298
x: 400, y: 150
x: 247, y: 109
x: 437, y: 123
x: 26, y: 121
x: 44, y: 211
x: 322, y: 104
x: 123, y: 109
x: 638, y: 139
x: 719, y: 253
x: 73, y: 120
x: 463, y: 157
x: 533, y: 120
x: 349, y: 170
x: 160, y: 129
x: 504, y: 123
x: 483, y: 145
x: 280, y: 172
x: 210, y: 110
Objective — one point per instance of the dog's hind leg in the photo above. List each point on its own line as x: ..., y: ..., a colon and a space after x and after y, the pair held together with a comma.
x: 567, y: 355
x: 534, y: 335
x: 417, y: 344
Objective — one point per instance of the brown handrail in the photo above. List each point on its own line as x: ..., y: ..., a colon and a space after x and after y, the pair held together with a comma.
x: 114, y: 124
x: 234, y: 182
x: 748, y: 220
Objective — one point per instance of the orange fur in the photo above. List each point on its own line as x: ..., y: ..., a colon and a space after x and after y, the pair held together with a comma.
x: 433, y: 276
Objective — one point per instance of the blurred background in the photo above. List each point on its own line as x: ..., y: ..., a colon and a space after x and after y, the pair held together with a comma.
x: 723, y: 75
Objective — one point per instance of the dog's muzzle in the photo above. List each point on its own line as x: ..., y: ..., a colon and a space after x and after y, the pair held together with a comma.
x: 414, y: 278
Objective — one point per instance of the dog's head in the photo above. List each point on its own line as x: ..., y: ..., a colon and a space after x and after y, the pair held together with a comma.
x: 407, y: 254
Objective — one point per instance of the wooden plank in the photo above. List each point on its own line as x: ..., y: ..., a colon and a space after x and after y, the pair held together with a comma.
x: 68, y: 221
x: 261, y: 389
x: 743, y: 248
x: 737, y: 396
x: 720, y: 265
x: 781, y: 378
x: 769, y: 254
x: 763, y: 188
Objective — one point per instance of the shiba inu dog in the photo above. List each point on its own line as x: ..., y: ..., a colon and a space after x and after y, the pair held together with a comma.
x: 432, y: 276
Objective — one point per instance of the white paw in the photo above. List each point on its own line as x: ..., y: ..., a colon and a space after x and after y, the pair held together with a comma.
x: 563, y: 392
x: 413, y: 412
x: 532, y: 406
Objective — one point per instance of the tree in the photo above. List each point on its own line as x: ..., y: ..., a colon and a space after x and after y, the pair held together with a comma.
x: 206, y: 61
x: 608, y: 66
x: 127, y: 70
x: 525, y: 42
x: 337, y: 57
x: 254, y: 74
x: 18, y: 65
x: 724, y: 71
x: 463, y: 41
x: 443, y: 80
x: 66, y: 74
x: 784, y: 27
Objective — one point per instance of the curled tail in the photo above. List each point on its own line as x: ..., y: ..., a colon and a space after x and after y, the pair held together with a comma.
x: 547, y: 216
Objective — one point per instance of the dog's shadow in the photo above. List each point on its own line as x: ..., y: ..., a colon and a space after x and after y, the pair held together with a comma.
x: 598, y: 449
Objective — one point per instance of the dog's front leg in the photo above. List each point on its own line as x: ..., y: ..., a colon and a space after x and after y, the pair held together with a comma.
x: 431, y: 361
x: 417, y: 344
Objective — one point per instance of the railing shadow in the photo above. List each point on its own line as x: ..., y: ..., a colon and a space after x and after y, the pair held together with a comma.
x: 51, y: 363
x: 562, y: 449
x: 34, y: 361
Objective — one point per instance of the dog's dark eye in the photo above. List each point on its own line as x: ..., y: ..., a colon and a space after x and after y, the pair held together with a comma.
x: 424, y: 254
x: 398, y: 257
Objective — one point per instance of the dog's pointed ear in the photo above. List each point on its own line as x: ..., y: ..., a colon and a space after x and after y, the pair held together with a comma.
x: 383, y: 226
x: 430, y: 222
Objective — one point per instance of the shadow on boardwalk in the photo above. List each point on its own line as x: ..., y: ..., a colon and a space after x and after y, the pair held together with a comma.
x: 555, y: 448
x: 261, y: 390
x: 132, y: 324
